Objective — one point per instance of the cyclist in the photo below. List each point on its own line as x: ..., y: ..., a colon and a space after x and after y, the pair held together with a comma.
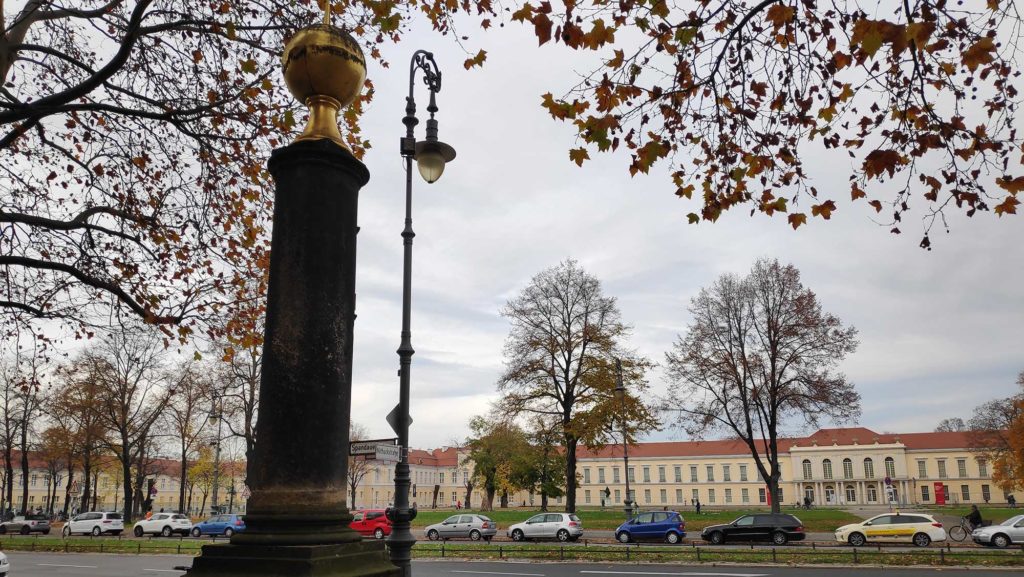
x: 974, y: 517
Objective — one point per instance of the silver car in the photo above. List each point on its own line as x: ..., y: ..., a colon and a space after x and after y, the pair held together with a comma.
x: 474, y: 526
x: 1007, y: 533
x: 561, y: 526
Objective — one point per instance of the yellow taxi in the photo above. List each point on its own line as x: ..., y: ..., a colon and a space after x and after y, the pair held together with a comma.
x: 916, y: 528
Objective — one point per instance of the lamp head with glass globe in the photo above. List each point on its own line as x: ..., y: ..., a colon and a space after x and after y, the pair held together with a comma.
x: 432, y: 154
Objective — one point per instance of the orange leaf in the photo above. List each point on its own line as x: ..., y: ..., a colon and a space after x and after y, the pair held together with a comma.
x: 979, y: 53
x: 824, y: 210
x: 1013, y: 185
x: 578, y: 155
x: 542, y: 28
x: 477, y: 60
x: 1008, y: 206
x: 779, y: 15
x: 879, y: 161
x: 796, y: 219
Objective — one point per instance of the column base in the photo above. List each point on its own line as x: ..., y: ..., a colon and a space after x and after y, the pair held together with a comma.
x: 363, y: 559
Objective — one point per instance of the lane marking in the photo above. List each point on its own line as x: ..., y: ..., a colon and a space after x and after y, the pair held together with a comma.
x: 498, y: 573
x: 689, y: 573
x: 165, y: 570
x: 59, y: 565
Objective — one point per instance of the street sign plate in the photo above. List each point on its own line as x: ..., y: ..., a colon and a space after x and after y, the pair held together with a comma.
x: 368, y: 447
x: 388, y: 453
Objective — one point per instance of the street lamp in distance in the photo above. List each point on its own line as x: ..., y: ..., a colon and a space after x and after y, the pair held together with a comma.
x: 620, y: 394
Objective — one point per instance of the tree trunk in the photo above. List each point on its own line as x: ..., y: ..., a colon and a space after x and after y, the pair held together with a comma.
x: 67, y: 491
x: 95, y: 489
x: 543, y: 500
x: 24, y: 467
x: 433, y: 505
x: 9, y: 471
x: 202, y: 506
x: 489, y: 504
x: 126, y: 487
x: 570, y: 472
x: 773, y: 491
x: 83, y: 504
x: 469, y: 496
x: 181, y: 486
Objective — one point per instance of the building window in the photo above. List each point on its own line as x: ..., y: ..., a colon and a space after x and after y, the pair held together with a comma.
x: 647, y: 474
x: 661, y: 474
x: 826, y: 468
x: 851, y: 494
x: 922, y: 469
x: 982, y: 468
x: 35, y: 479
x: 872, y: 494
x: 869, y: 469
x: 745, y: 495
x: 711, y: 473
x: 631, y: 474
x: 890, y: 467
x: 725, y: 473
x: 441, y: 480
x: 847, y: 469
x: 757, y: 475
x: 711, y: 495
x: 961, y: 468
x: 986, y: 494
x: 678, y: 472
x: 586, y: 476
x: 647, y: 496
x: 679, y: 495
x: 743, y: 473
x: 600, y: 475
x: 617, y: 496
x: 695, y: 494
x: 664, y: 496
x: 925, y: 496
x: 586, y: 496
x: 965, y: 493
x: 778, y: 496
x: 761, y: 495
x: 693, y: 473
x: 942, y: 469
x: 728, y: 495
x: 807, y: 469
x: 615, y: 477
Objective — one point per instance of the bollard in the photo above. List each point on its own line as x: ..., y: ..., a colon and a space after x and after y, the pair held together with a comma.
x: 627, y: 553
x: 442, y: 549
x: 501, y: 552
x: 101, y: 546
x: 942, y: 557
x: 138, y: 548
x: 698, y: 553
x: 774, y: 560
x: 561, y: 553
x: 813, y: 546
x: 179, y: 547
x: 854, y: 555
x: 65, y: 546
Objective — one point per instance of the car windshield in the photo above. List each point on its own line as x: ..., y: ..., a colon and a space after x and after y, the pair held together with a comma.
x: 1013, y: 521
x: 487, y: 519
x: 574, y: 518
x: 113, y: 515
x: 36, y: 517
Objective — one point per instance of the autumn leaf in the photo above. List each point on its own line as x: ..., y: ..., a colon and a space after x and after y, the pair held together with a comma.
x: 578, y: 155
x: 824, y: 210
x: 877, y: 205
x: 249, y: 66
x: 477, y: 60
x: 692, y: 218
x: 1008, y: 206
x: 1013, y: 185
x: 979, y: 53
x: 880, y: 161
x: 856, y: 192
x: 796, y: 219
x: 779, y: 15
x: 542, y: 28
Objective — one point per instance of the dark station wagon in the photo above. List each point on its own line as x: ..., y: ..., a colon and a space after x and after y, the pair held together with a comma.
x: 779, y: 528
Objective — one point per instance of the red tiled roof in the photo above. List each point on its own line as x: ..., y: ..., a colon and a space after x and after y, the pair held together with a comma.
x: 446, y: 457
x: 950, y: 440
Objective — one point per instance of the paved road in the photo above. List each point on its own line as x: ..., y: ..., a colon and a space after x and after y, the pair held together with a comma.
x: 70, y: 565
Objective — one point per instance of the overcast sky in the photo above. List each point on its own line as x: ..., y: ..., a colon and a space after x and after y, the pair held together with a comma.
x: 940, y: 331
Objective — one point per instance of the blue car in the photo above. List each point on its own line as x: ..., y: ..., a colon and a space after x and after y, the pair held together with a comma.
x: 226, y: 525
x: 665, y: 526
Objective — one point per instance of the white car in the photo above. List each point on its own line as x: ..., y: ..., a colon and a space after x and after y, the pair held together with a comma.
x: 1009, y: 532
x: 916, y: 528
x: 5, y: 566
x: 561, y: 526
x: 95, y: 523
x: 165, y: 524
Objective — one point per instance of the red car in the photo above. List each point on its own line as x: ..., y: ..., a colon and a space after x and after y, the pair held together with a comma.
x: 371, y: 522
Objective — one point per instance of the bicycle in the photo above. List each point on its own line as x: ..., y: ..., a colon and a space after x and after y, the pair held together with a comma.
x: 961, y: 531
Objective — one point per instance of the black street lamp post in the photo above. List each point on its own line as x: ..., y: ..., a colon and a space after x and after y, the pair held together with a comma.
x: 620, y: 394
x: 431, y: 155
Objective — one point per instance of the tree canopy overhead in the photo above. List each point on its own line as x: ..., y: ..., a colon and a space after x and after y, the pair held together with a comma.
x: 917, y: 96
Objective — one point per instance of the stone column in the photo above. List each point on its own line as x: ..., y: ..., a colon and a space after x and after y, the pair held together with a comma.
x: 297, y: 517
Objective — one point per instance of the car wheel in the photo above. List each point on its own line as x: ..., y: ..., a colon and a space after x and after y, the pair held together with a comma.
x: 856, y: 539
x: 1001, y: 541
x: 96, y: 531
x: 229, y: 532
x: 378, y: 533
x: 623, y: 537
x: 716, y: 537
x: 562, y: 535
x: 196, y: 532
x: 922, y: 540
x: 672, y: 537
x: 517, y: 535
x: 432, y: 535
x: 474, y: 535
x: 3, y: 530
x: 166, y: 532
x: 46, y: 532
x: 138, y: 531
x: 779, y: 538
x: 67, y: 531
x: 24, y: 530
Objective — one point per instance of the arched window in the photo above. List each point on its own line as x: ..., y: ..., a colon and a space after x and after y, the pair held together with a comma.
x: 807, y: 469
x: 847, y: 468
x: 890, y: 467
x: 826, y: 466
x: 869, y: 468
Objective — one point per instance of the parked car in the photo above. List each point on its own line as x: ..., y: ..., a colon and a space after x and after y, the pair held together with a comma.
x: 475, y: 527
x: 561, y: 526
x: 1009, y: 532
x: 916, y: 528
x: 664, y: 525
x: 371, y: 522
x: 5, y: 566
x: 778, y: 528
x: 26, y: 524
x: 164, y: 524
x: 226, y: 525
x: 95, y: 523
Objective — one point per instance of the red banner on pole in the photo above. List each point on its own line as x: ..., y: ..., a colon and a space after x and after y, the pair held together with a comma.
x: 940, y: 493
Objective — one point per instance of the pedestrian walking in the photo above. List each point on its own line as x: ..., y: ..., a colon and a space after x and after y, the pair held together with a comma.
x: 697, y: 506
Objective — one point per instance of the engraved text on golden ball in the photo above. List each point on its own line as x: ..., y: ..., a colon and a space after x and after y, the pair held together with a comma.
x: 324, y: 60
